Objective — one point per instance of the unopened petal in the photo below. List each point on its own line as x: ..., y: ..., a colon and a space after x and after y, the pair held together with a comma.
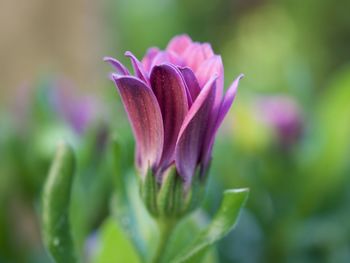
x: 193, y: 130
x: 138, y: 67
x: 179, y: 44
x: 169, y: 89
x: 194, y: 56
x: 223, y: 110
x: 119, y: 67
x: 148, y: 58
x: 208, y: 68
x: 212, y: 66
x: 146, y: 121
x: 191, y: 82
x: 208, y: 50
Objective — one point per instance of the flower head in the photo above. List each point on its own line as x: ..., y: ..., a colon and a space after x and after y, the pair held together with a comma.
x: 175, y: 104
x: 79, y: 112
x: 283, y: 114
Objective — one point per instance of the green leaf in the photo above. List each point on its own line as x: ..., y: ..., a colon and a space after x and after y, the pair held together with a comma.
x: 56, y: 201
x: 183, y: 234
x: 223, y: 222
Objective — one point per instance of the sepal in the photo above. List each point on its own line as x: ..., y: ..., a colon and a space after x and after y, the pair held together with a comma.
x: 149, y: 191
x: 171, y: 198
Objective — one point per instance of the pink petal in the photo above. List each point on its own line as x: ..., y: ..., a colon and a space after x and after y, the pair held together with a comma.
x: 179, y: 44
x: 138, y: 67
x: 194, y: 56
x: 166, y: 57
x: 223, y: 110
x: 191, y: 83
x: 169, y: 89
x: 148, y: 58
x: 208, y: 68
x: 193, y: 130
x: 119, y: 67
x: 207, y: 49
x: 146, y: 120
x: 212, y: 66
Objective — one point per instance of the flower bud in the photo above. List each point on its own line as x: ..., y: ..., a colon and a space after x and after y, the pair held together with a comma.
x: 175, y: 103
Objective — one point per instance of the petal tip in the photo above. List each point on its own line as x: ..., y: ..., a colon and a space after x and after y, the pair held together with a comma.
x: 106, y: 59
x: 128, y: 54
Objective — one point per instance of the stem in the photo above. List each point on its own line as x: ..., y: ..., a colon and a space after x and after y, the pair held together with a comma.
x: 165, y: 229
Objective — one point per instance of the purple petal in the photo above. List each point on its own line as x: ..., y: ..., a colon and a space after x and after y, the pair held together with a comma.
x: 193, y: 130
x: 146, y: 120
x: 212, y: 66
x: 228, y: 99
x: 191, y: 83
x: 223, y: 110
x: 119, y: 67
x: 169, y: 89
x: 138, y: 67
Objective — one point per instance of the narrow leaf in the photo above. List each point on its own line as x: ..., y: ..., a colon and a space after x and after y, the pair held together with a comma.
x: 224, y: 221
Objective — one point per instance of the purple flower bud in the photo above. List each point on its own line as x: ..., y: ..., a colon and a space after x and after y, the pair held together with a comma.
x: 175, y: 103
x: 283, y: 114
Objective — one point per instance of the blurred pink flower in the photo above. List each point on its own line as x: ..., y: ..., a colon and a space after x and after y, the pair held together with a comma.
x: 78, y: 111
x: 284, y: 115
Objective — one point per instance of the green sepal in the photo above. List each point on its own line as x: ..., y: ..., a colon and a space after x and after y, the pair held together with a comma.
x: 172, y: 198
x: 178, y: 198
x: 149, y: 191
x: 165, y: 197
x: 195, y: 194
x: 56, y: 201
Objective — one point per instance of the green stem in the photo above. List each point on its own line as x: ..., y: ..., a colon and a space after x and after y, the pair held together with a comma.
x: 165, y: 230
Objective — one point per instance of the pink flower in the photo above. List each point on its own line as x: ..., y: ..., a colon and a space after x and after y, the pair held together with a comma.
x: 175, y: 104
x: 283, y: 114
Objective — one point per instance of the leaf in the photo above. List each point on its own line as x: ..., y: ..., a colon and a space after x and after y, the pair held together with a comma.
x: 183, y: 235
x: 56, y: 202
x: 223, y: 222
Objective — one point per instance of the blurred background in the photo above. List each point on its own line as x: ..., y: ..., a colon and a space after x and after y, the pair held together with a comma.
x: 287, y: 136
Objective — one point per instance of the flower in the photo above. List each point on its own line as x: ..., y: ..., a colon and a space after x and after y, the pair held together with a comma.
x: 79, y: 112
x: 283, y: 114
x: 175, y: 104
